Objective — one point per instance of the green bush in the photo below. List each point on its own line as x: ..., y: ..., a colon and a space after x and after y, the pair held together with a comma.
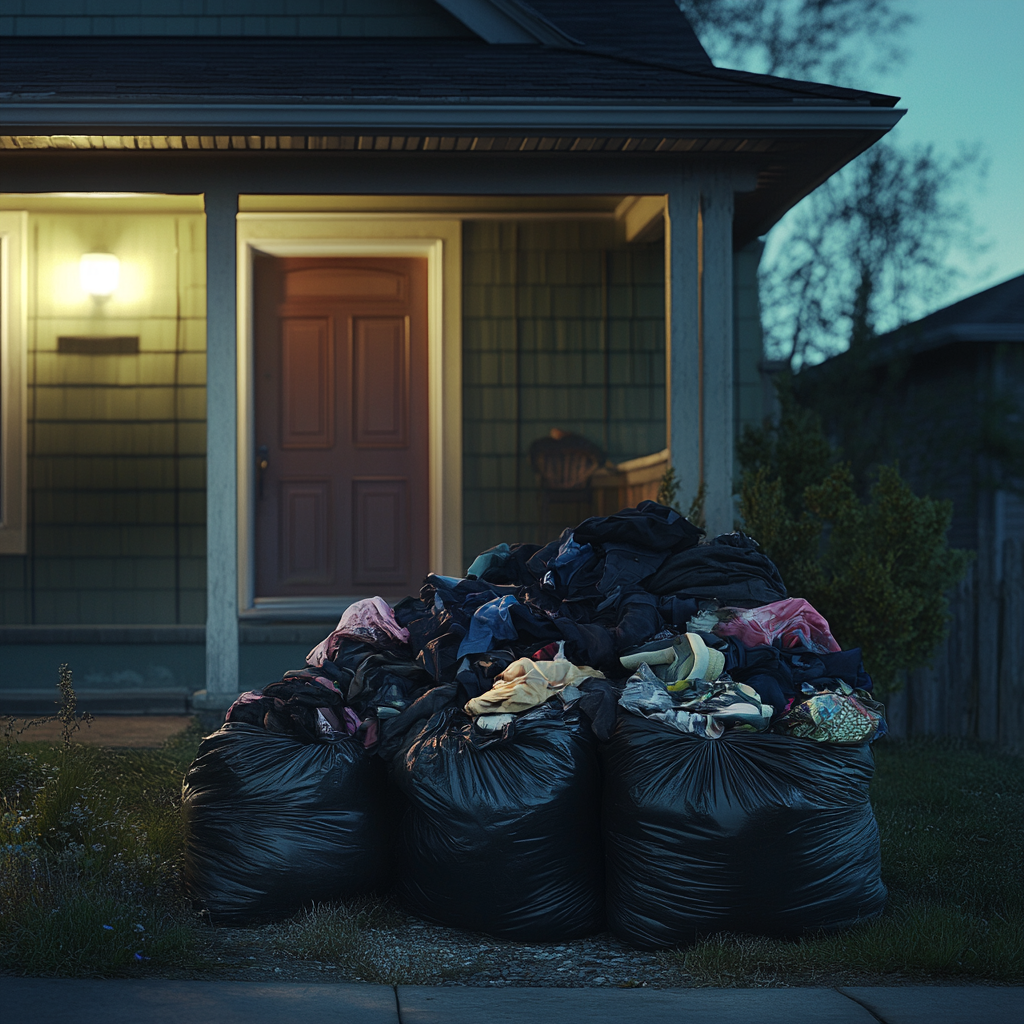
x: 877, y: 569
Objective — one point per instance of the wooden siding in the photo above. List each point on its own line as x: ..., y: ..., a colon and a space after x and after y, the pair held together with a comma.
x: 116, y: 442
x: 320, y: 18
x: 563, y: 327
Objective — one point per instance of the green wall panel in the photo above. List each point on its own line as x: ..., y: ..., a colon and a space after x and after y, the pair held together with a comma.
x: 116, y: 443
x: 564, y: 326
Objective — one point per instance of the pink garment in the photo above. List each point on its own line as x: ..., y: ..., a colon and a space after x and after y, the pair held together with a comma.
x: 795, y: 620
x: 249, y: 697
x: 371, y: 621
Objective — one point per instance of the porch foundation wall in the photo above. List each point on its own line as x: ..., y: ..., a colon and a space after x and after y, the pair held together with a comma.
x: 137, y: 670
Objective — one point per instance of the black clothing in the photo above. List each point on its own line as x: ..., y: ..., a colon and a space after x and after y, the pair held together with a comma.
x: 731, y: 569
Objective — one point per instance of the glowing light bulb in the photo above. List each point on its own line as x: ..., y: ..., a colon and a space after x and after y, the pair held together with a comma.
x: 99, y: 273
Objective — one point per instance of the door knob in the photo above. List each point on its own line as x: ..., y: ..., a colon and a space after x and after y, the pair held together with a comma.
x: 262, y: 462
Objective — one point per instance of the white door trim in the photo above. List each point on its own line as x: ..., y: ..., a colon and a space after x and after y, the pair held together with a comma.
x: 440, y: 242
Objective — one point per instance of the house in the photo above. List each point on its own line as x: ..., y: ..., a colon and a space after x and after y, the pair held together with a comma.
x: 946, y: 400
x: 945, y: 397
x: 291, y: 286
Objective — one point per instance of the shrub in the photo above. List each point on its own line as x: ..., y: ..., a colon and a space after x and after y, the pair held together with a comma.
x: 877, y: 569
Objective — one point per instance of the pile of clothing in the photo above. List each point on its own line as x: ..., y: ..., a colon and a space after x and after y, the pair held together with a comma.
x: 629, y: 625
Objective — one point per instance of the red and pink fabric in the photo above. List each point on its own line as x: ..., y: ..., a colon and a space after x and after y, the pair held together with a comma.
x: 795, y: 620
x: 371, y: 621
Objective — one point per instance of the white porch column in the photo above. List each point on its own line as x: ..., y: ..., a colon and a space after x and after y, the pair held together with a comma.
x: 717, y: 347
x: 222, y: 683
x: 698, y: 240
x: 682, y: 337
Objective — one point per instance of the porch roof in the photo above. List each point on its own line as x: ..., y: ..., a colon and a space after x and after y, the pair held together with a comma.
x: 455, y: 94
x: 47, y: 71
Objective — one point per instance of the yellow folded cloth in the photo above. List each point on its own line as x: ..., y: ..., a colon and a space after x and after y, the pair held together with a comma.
x: 525, y: 684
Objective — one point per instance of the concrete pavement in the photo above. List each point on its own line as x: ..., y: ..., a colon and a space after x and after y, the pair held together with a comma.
x: 66, y: 1001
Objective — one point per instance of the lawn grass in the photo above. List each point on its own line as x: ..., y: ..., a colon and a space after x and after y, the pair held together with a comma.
x: 950, y: 814
x: 91, y: 850
x: 90, y: 860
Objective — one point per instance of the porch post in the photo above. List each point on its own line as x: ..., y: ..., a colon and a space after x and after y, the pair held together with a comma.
x: 682, y: 337
x: 717, y: 346
x: 222, y: 681
x: 698, y: 243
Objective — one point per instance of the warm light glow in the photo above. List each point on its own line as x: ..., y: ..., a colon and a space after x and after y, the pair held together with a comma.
x: 99, y: 273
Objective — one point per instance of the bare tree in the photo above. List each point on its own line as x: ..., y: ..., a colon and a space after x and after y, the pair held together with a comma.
x: 869, y: 250
x: 801, y: 38
x: 873, y: 246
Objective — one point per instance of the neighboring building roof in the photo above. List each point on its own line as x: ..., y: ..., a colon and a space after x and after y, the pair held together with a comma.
x: 994, y: 315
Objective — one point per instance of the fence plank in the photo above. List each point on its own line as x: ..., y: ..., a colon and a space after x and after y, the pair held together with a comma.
x: 987, y: 601
x: 1011, y: 660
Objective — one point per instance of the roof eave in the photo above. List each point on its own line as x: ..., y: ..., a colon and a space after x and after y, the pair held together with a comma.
x: 50, y: 117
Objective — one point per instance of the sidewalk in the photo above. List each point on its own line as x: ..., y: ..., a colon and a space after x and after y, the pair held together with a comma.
x: 58, y: 1001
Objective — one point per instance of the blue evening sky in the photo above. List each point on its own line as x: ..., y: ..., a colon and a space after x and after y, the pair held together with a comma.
x: 963, y: 82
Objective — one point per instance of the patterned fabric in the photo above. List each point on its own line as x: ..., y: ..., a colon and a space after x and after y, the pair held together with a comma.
x: 827, y: 717
x: 703, y: 709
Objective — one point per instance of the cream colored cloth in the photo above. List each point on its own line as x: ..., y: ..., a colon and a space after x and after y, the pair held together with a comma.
x: 525, y: 684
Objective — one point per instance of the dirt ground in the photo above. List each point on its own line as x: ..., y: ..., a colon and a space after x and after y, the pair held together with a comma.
x: 140, y: 731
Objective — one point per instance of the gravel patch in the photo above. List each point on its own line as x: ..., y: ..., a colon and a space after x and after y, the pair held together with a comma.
x: 414, y: 952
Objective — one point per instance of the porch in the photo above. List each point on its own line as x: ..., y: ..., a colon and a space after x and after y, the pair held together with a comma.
x: 139, y: 478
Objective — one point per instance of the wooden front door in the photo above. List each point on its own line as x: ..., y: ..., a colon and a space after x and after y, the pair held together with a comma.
x: 341, y: 426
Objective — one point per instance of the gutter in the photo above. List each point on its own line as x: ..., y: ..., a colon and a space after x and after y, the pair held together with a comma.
x: 47, y: 117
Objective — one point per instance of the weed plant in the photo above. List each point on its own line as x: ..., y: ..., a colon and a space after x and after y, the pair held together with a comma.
x: 90, y: 856
x: 952, y: 828
x: 358, y: 936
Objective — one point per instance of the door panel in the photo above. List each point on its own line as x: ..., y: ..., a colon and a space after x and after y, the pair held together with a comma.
x: 380, y: 531
x: 307, y: 383
x: 380, y: 381
x: 305, y: 531
x: 359, y: 283
x: 341, y: 416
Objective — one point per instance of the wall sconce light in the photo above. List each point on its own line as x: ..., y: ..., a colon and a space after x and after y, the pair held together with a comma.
x: 99, y: 273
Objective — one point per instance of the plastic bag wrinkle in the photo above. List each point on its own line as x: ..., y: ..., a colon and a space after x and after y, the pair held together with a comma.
x: 752, y: 833
x: 272, y: 824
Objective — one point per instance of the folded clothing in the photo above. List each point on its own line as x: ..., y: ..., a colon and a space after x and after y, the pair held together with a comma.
x: 372, y: 621
x: 731, y: 569
x: 795, y: 622
x: 703, y: 709
x: 304, y: 705
x: 526, y: 683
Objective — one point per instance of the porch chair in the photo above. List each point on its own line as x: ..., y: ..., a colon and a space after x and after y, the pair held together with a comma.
x: 564, y: 463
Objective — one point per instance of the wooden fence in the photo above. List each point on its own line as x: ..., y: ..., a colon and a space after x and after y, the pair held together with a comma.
x: 975, y: 685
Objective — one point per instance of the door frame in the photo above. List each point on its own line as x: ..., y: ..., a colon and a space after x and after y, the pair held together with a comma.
x: 380, y: 235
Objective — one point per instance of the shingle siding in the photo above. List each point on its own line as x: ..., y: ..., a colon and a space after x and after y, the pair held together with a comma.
x: 534, y: 331
x: 116, y: 443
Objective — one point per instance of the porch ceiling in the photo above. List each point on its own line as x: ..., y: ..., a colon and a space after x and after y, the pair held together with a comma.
x: 788, y: 166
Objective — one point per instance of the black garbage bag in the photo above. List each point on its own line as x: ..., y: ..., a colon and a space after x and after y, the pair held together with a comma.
x: 751, y: 832
x: 272, y: 824
x: 502, y: 833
